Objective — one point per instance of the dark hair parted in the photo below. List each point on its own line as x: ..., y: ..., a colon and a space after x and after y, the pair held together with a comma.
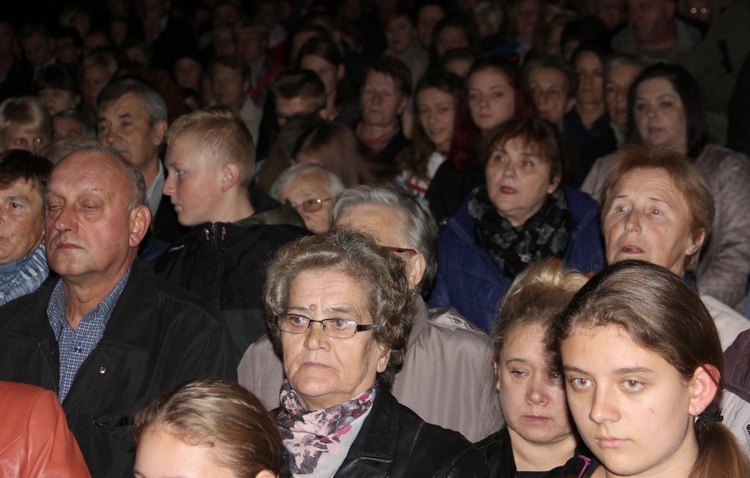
x: 415, y: 158
x: 540, y: 136
x: 555, y: 63
x: 327, y: 50
x: 222, y: 415
x: 295, y: 83
x: 21, y: 165
x: 696, y: 121
x: 536, y: 297
x: 523, y: 101
x: 395, y: 69
x: 660, y: 312
x: 376, y: 269
x: 56, y: 77
x: 693, y: 188
x: 234, y: 63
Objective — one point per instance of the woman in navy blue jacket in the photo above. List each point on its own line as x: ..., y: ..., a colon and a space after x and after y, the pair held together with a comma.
x: 522, y: 215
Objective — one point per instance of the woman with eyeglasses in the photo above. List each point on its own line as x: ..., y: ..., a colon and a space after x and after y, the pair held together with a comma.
x: 311, y: 190
x: 340, y: 311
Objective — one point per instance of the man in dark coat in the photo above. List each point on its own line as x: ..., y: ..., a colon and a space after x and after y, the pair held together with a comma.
x: 109, y: 336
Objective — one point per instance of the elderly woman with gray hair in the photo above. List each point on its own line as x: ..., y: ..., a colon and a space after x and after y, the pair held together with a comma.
x: 340, y: 310
x: 446, y: 376
x: 657, y: 208
x: 311, y: 190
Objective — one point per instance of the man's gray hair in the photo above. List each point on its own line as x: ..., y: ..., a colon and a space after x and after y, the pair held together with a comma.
x: 156, y: 107
x: 420, y: 231
x: 136, y: 181
x: 335, y: 185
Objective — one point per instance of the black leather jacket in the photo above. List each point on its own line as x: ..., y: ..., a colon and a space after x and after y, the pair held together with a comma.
x: 497, y: 448
x: 395, y: 442
x: 225, y: 264
x: 157, y: 336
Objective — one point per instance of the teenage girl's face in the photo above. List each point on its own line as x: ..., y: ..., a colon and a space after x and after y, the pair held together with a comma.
x: 590, y: 78
x: 328, y: 72
x: 532, y: 397
x: 491, y: 99
x: 630, y: 405
x: 437, y: 115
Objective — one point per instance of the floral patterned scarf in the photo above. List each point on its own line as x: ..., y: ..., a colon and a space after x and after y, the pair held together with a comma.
x: 308, y: 435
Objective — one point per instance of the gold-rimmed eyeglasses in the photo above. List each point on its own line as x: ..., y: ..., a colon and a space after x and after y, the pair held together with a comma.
x: 311, y: 205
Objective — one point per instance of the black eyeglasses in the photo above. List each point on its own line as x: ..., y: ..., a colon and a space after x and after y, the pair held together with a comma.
x: 334, y: 328
x: 311, y: 205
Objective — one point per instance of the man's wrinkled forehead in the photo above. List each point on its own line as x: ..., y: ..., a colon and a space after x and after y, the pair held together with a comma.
x: 127, y: 105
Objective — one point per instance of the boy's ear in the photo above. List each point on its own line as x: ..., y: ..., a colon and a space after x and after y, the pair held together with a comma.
x: 230, y: 175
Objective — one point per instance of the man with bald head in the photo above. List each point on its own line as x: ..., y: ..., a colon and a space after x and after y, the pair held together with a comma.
x: 109, y: 336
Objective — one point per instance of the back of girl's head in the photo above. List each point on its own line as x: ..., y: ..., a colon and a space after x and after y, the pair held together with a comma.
x: 696, y: 121
x: 660, y: 312
x: 536, y: 297
x: 222, y: 415
x: 335, y: 147
x: 56, y: 77
x: 523, y: 101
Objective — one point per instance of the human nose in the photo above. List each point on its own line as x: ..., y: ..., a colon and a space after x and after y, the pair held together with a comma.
x: 536, y: 392
x: 603, y: 407
x: 540, y: 96
x: 109, y: 137
x: 633, y: 222
x: 168, y: 188
x: 431, y: 118
x: 62, y: 218
x: 315, y: 338
x: 509, y: 169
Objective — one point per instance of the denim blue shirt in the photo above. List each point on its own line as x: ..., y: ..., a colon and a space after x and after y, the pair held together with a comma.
x: 76, y: 345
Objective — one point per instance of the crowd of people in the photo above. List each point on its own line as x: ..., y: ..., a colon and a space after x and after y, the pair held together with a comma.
x: 347, y: 238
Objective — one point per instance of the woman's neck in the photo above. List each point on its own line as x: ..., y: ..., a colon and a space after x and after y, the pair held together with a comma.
x: 534, y: 457
x: 590, y: 112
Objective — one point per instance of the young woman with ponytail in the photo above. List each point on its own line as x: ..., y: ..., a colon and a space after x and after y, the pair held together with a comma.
x: 642, y: 363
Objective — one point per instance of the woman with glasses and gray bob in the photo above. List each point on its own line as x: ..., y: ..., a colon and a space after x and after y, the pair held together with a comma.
x: 340, y: 310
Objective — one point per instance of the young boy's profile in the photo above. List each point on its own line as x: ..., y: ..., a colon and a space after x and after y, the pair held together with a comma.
x: 210, y: 162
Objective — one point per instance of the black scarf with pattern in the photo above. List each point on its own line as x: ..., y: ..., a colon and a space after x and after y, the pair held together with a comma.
x: 513, y: 249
